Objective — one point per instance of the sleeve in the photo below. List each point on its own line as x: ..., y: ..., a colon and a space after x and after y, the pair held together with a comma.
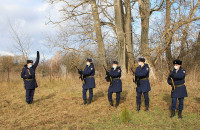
x: 23, y: 75
x: 36, y: 62
x: 142, y: 72
x: 169, y: 81
x: 115, y: 73
x: 180, y: 75
x: 88, y: 72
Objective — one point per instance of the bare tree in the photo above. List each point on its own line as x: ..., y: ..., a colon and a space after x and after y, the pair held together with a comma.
x: 22, y: 42
x: 119, y: 21
x: 128, y: 32
x: 91, y: 31
x: 97, y: 25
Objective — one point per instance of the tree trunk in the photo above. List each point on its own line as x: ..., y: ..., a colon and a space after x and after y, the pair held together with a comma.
x: 128, y: 34
x: 119, y: 21
x: 97, y: 25
x: 168, y: 39
x: 144, y: 9
x: 144, y: 14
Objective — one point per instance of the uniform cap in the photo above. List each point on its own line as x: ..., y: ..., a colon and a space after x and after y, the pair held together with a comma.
x: 89, y: 60
x: 141, y: 59
x: 115, y: 62
x: 179, y: 62
x: 29, y: 61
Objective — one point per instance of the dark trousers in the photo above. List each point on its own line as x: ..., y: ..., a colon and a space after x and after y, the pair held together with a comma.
x: 29, y: 95
x: 146, y: 97
x: 174, y: 101
x: 117, y: 97
x: 90, y: 94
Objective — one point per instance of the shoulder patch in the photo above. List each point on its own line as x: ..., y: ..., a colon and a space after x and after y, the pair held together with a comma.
x: 184, y: 71
x: 118, y: 70
x: 91, y: 68
x: 147, y: 69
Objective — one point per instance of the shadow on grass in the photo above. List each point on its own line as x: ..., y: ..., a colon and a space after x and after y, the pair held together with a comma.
x: 98, y: 95
x: 197, y: 99
x: 45, y: 97
x: 167, y: 99
x: 123, y: 96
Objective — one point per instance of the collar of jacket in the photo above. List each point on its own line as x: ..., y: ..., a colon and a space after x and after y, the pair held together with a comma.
x: 25, y: 66
x: 144, y: 66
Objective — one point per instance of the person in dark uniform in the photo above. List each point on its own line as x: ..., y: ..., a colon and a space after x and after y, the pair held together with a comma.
x: 142, y: 81
x: 89, y: 81
x: 28, y: 75
x: 178, y: 77
x: 116, y: 83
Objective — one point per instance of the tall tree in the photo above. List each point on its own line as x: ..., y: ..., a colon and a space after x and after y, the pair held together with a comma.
x: 97, y: 26
x: 168, y: 39
x: 144, y: 9
x: 128, y: 34
x: 119, y: 21
x: 145, y: 12
x: 78, y: 12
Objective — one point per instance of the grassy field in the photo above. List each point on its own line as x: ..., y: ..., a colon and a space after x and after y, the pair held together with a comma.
x: 58, y: 105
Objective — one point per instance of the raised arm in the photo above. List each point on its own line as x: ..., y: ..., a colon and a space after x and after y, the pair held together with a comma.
x: 37, y: 60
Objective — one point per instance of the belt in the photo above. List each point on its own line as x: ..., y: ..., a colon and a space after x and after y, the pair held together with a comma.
x: 29, y: 79
x: 145, y: 79
x: 89, y: 76
x: 179, y: 85
x: 115, y: 78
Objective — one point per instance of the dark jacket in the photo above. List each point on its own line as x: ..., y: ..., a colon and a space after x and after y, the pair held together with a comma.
x: 179, y: 80
x: 89, y: 73
x: 142, y: 76
x: 28, y: 75
x: 116, y: 83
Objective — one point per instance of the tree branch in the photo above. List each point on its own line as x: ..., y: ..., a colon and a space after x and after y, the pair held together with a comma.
x: 157, y: 9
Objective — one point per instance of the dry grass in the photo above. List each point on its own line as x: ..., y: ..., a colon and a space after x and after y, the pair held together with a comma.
x: 58, y: 106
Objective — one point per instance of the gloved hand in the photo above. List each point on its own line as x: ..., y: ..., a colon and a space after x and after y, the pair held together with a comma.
x: 171, y: 75
x: 80, y: 72
x: 38, y: 54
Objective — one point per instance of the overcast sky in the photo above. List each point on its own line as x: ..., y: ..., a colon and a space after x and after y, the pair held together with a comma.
x: 28, y: 16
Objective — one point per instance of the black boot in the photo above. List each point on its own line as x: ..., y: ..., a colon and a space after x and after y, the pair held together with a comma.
x: 147, y: 107
x: 117, y: 104
x: 84, y: 102
x: 180, y: 114
x: 138, y: 107
x: 90, y: 101
x: 172, y: 113
x: 111, y: 103
x: 28, y: 102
